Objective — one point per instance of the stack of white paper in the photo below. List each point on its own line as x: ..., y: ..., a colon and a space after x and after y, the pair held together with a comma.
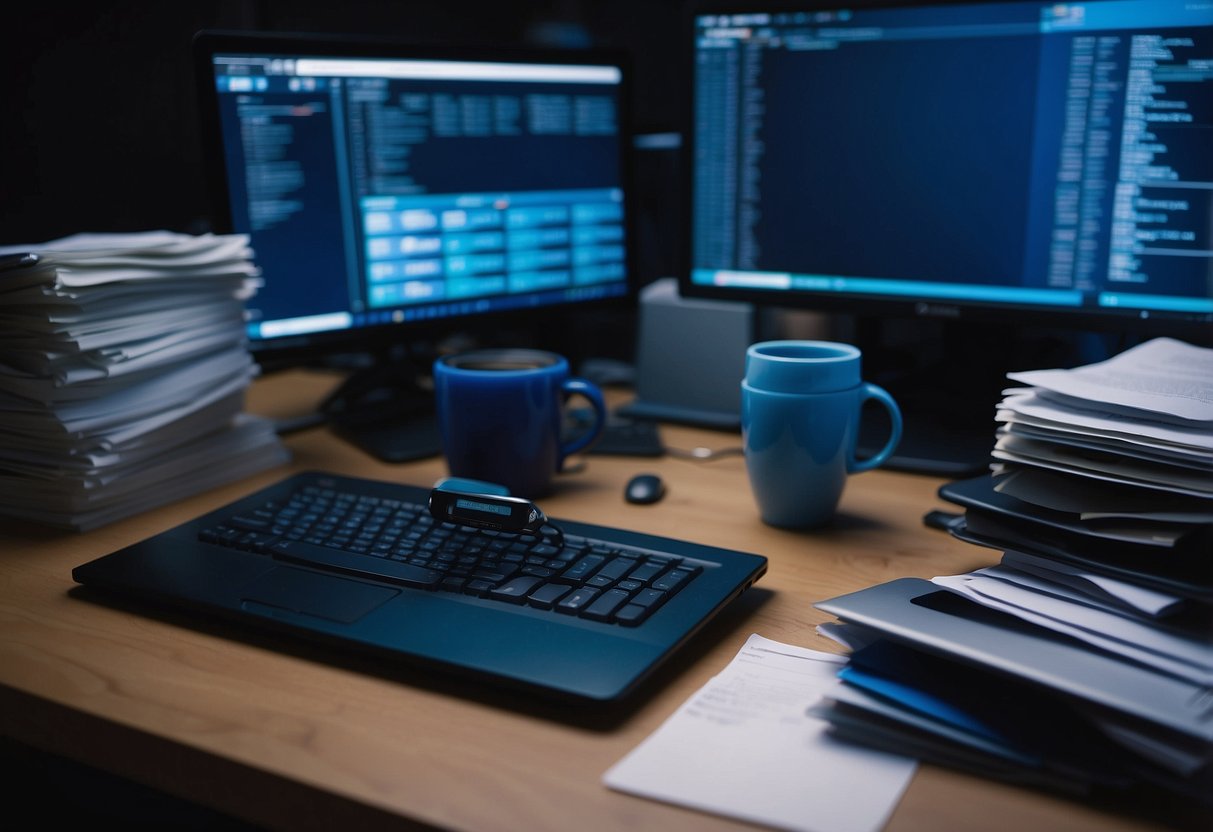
x: 1143, y: 419
x: 123, y: 368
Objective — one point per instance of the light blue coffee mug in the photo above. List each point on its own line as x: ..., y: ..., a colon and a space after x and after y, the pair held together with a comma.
x: 800, y: 410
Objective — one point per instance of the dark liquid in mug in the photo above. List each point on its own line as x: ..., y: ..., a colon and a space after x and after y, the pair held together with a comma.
x: 503, y: 363
x: 500, y: 365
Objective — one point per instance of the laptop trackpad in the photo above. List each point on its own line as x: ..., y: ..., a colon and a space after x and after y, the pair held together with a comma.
x: 325, y: 596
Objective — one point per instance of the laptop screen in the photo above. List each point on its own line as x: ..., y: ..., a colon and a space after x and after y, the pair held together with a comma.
x: 385, y: 185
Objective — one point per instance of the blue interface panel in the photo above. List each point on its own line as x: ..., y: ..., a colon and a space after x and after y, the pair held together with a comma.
x: 1041, y: 155
x: 383, y: 191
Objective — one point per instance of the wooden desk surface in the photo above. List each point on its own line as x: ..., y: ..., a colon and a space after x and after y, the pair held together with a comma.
x: 268, y: 732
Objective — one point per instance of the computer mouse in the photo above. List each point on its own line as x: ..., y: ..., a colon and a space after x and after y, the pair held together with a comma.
x: 644, y: 489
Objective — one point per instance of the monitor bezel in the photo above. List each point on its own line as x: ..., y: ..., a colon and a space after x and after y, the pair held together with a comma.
x: 1196, y: 327
x: 378, y: 339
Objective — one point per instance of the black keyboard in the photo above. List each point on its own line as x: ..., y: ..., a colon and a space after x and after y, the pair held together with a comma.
x: 400, y: 542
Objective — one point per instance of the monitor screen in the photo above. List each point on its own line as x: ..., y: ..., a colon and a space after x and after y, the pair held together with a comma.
x: 388, y: 188
x: 975, y: 187
x: 957, y: 158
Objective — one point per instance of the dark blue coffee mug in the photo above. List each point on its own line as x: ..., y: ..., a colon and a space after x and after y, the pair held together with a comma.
x: 501, y: 414
x: 800, y: 412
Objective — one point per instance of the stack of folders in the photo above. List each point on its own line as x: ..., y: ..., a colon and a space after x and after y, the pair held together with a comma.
x: 123, y: 369
x: 1084, y: 659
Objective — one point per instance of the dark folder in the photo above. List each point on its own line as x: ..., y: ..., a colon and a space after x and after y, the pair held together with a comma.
x: 999, y: 521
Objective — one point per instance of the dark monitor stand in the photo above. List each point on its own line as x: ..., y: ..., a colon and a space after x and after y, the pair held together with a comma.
x: 385, y: 407
x: 391, y: 422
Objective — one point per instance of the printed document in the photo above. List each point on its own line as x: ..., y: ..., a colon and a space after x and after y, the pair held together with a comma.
x: 1169, y: 378
x: 744, y: 746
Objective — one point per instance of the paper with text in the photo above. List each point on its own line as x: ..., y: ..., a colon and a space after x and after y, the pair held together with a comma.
x: 744, y: 746
x: 1169, y: 378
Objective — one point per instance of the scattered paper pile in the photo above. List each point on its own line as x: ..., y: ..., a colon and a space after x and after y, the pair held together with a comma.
x: 1084, y: 660
x: 123, y: 369
x: 1143, y: 420
x: 1107, y: 467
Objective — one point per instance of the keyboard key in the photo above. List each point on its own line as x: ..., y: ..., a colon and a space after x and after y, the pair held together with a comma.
x: 492, y: 576
x: 650, y: 598
x: 376, y: 568
x: 516, y: 590
x: 583, y: 568
x: 647, y: 571
x: 546, y: 596
x: 604, y: 607
x: 569, y: 554
x: 610, y: 572
x: 248, y: 524
x: 672, y: 581
x: 212, y: 535
x: 577, y: 600
x: 632, y: 614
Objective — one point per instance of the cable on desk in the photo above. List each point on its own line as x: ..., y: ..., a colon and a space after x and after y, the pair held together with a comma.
x: 702, y: 454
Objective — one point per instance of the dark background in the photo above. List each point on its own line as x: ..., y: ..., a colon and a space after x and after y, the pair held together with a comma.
x: 100, y: 131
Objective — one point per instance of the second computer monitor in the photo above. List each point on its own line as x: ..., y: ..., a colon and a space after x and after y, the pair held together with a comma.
x: 390, y: 187
x: 957, y: 158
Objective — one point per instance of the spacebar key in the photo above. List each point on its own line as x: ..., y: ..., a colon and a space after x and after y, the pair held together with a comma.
x: 380, y: 569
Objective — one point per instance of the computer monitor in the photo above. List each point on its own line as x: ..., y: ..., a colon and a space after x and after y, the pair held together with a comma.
x: 397, y: 193
x: 994, y: 169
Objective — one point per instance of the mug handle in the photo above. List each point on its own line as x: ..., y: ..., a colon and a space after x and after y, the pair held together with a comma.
x: 590, y: 391
x: 871, y: 391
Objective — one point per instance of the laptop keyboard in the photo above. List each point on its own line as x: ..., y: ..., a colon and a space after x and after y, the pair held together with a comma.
x: 400, y: 542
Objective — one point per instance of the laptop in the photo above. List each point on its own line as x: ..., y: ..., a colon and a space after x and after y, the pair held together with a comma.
x: 586, y: 616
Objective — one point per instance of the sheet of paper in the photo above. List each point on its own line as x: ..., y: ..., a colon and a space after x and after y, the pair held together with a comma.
x: 1090, y: 498
x: 1164, y: 376
x: 1089, y: 585
x: 99, y: 242
x: 744, y: 746
x: 1183, y: 657
x: 1110, y: 468
x: 1151, y: 451
x: 1030, y: 407
x: 96, y: 247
